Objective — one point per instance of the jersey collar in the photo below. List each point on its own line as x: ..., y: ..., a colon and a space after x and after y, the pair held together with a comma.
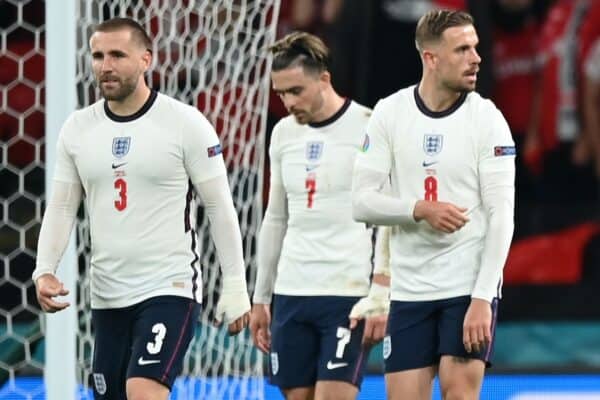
x: 438, y: 114
x: 135, y: 115
x: 333, y: 118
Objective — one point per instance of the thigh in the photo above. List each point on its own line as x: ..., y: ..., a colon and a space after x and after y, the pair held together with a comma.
x: 411, y: 341
x: 415, y: 384
x: 335, y: 390
x: 112, y: 350
x: 450, y: 325
x: 162, y: 330
x: 294, y: 344
x: 342, y: 356
x: 461, y: 377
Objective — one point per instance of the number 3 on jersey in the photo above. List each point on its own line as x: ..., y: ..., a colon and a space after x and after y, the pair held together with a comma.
x: 311, y: 185
x: 121, y: 187
x: 431, y: 188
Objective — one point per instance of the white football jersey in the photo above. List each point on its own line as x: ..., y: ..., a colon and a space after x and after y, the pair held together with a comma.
x: 136, y: 173
x: 437, y: 156
x: 325, y: 252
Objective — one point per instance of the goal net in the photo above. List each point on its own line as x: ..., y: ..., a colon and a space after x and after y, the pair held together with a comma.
x: 209, y: 53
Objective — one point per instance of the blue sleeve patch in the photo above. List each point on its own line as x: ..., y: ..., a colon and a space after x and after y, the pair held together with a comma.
x: 505, y: 151
x: 214, y: 150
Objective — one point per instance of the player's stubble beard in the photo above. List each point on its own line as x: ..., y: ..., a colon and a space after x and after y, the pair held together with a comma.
x: 124, y: 88
x: 307, y: 116
x: 459, y: 87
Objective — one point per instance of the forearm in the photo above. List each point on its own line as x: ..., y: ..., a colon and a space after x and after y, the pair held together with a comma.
x: 270, y: 242
x: 224, y: 226
x: 498, y: 199
x: 381, y: 260
x: 371, y: 205
x: 495, y: 252
x: 57, y: 224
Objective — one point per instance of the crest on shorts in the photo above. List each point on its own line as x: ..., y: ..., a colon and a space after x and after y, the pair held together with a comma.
x: 432, y: 144
x: 314, y: 150
x: 120, y: 146
x: 99, y: 383
x: 274, y: 363
x: 387, y: 347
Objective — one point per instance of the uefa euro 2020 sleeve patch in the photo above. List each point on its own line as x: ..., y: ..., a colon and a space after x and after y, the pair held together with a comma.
x: 214, y: 150
x: 504, y: 151
x: 366, y: 144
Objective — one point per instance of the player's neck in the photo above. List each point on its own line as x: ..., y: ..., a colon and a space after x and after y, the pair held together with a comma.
x: 332, y: 103
x: 132, y: 103
x: 435, y: 97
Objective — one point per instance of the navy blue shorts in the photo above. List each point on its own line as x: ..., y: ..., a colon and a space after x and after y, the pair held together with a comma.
x: 420, y: 332
x: 148, y: 340
x: 311, y: 341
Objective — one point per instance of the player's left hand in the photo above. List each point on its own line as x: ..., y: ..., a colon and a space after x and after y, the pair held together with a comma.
x: 477, y: 325
x: 233, y: 307
x: 374, y: 310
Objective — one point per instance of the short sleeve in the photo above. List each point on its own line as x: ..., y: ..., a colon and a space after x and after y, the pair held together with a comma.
x: 65, y: 169
x: 376, y: 151
x: 202, y: 152
x: 497, y: 150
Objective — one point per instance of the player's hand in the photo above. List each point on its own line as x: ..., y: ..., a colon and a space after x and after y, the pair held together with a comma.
x: 441, y: 216
x: 260, y: 321
x: 374, y: 310
x: 47, y: 286
x: 234, y: 306
x: 477, y: 325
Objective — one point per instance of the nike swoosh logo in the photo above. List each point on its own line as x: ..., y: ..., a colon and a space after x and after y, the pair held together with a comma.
x: 428, y: 164
x: 311, y: 167
x: 115, y: 166
x: 331, y: 365
x: 141, y: 361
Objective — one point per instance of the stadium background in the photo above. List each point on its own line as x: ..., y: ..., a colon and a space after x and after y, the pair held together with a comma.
x: 549, y: 332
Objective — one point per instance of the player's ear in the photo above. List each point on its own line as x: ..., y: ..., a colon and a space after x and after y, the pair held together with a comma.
x: 325, y: 78
x: 428, y: 58
x: 147, y: 59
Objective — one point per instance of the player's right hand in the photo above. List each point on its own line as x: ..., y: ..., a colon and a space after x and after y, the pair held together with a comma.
x: 441, y: 216
x: 374, y: 309
x: 233, y: 307
x: 260, y: 321
x: 47, y: 286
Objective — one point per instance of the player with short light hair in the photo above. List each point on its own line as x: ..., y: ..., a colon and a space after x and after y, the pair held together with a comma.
x: 311, y: 254
x: 138, y: 158
x: 450, y: 157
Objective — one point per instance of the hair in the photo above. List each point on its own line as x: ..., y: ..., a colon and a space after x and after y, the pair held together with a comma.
x: 300, y: 49
x: 137, y: 31
x: 432, y: 25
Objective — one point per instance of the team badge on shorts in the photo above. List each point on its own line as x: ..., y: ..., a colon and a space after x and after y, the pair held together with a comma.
x: 274, y: 363
x: 314, y: 150
x: 99, y: 383
x: 120, y: 146
x: 387, y: 347
x: 432, y: 144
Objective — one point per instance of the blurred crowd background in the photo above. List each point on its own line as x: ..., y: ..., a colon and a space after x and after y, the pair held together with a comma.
x: 541, y: 67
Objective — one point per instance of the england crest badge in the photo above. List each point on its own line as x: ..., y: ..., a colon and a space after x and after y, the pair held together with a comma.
x: 120, y: 146
x: 274, y: 363
x: 314, y: 150
x: 99, y: 383
x: 432, y: 144
x: 387, y: 347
